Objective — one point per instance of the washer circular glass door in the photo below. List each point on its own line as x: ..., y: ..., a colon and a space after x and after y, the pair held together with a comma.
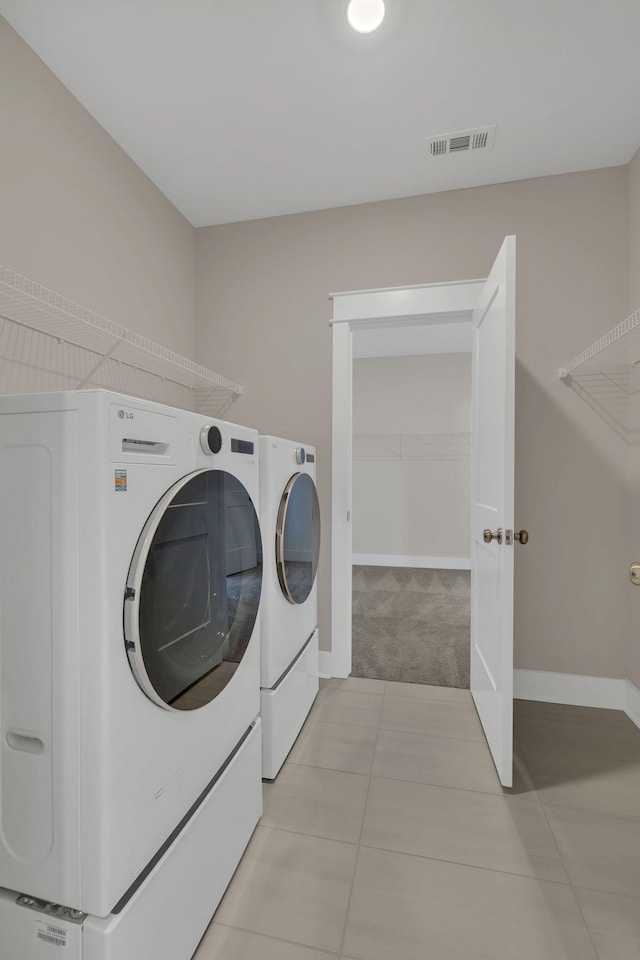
x: 193, y: 590
x: 298, y: 538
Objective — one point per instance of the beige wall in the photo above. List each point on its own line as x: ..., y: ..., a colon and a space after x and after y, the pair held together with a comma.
x: 412, y: 499
x: 263, y: 318
x: 77, y: 215
x: 633, y: 649
x: 634, y: 233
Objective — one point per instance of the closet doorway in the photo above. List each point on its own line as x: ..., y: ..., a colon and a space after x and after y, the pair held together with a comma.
x: 489, y: 306
x: 411, y: 499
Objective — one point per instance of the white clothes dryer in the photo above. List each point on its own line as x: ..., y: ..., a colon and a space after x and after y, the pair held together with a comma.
x: 130, y: 580
x: 290, y: 517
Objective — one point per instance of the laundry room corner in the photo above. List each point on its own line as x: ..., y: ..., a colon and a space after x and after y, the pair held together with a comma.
x: 267, y: 282
x: 81, y: 218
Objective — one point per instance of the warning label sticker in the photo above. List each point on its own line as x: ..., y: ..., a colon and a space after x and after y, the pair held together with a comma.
x: 121, y: 480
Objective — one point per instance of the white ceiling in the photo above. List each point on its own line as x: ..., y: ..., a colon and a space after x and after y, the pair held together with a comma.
x: 239, y: 109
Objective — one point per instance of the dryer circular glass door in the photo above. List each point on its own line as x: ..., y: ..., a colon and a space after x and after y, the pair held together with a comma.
x: 193, y: 590
x: 298, y: 538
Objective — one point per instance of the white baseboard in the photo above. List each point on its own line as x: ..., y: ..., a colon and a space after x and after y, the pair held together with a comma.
x: 397, y: 560
x: 571, y: 688
x: 326, y: 663
x: 632, y: 706
x: 577, y: 690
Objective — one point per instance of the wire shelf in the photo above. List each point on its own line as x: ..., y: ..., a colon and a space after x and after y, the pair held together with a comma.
x: 45, y: 333
x: 412, y: 446
x: 607, y: 374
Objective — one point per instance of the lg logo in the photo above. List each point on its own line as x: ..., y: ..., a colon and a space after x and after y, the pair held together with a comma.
x: 124, y: 415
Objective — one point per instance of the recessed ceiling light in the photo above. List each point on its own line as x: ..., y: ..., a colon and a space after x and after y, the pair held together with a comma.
x: 365, y: 16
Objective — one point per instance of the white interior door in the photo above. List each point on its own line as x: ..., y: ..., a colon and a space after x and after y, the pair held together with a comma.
x: 492, y: 508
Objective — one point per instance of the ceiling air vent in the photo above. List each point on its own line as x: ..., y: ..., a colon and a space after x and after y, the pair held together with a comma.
x: 463, y: 141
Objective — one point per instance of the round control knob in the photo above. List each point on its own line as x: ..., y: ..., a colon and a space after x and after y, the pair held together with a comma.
x: 300, y: 455
x: 210, y: 439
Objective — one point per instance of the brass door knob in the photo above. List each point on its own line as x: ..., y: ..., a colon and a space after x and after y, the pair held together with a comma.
x: 488, y: 535
x: 522, y: 536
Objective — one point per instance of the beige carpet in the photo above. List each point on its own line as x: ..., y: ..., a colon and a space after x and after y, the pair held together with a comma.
x: 411, y: 625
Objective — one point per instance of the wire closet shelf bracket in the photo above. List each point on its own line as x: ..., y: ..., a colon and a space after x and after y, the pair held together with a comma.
x: 607, y: 377
x: 73, y: 347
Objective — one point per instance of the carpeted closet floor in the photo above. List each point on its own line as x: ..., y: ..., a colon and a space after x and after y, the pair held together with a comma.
x: 411, y: 625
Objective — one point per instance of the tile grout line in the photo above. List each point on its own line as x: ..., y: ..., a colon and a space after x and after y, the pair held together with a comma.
x: 526, y: 747
x: 470, y: 866
x: 593, y: 810
x: 411, y: 733
x: 305, y: 833
x: 427, y: 699
x: 269, y: 936
x: 457, y: 862
x: 619, y: 761
x: 408, y: 699
x: 314, y: 766
x: 564, y: 866
x: 574, y: 886
x: 445, y: 786
x: 364, y: 813
x: 260, y: 825
x: 606, y: 893
x: 427, y: 783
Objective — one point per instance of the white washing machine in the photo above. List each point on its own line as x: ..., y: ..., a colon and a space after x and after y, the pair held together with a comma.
x: 130, y: 581
x: 290, y: 518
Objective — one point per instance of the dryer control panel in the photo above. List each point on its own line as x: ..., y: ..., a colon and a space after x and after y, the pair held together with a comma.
x: 142, y: 436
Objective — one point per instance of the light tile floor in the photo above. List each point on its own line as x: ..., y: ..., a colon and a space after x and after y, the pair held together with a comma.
x: 387, y: 835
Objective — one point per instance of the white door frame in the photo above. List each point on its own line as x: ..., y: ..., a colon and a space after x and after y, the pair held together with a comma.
x: 388, y: 307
